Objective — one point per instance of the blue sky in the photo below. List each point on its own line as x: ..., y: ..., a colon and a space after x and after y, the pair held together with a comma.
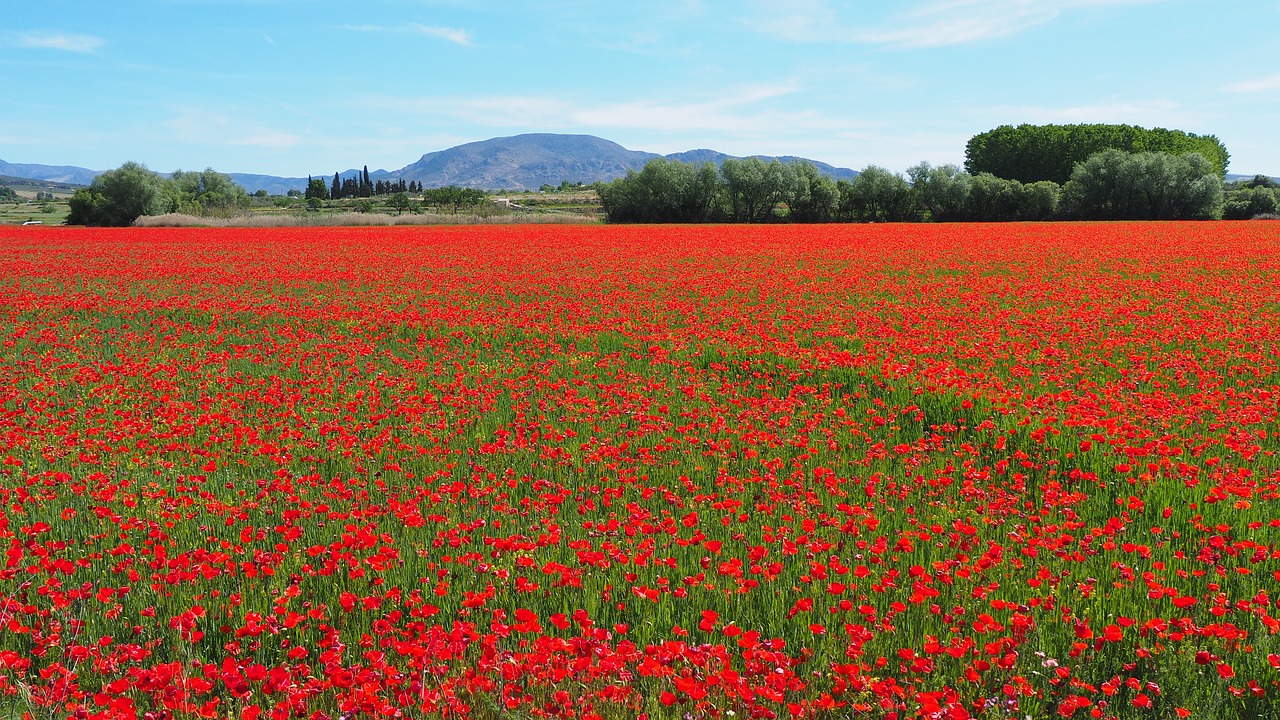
x: 302, y: 87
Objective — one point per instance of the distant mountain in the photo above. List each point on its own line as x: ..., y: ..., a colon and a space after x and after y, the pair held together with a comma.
x: 521, y: 162
x: 525, y: 162
x: 282, y: 185
x: 52, y: 173
x: 272, y: 184
x: 21, y: 183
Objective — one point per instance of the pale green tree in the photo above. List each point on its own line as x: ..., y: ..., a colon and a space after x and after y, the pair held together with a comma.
x: 206, y: 193
x: 118, y: 197
x: 755, y: 187
x: 878, y: 195
x: 1250, y: 202
x: 1116, y: 185
x: 942, y: 191
x: 813, y: 196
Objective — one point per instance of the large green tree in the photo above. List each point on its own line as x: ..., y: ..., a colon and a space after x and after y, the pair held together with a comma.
x: 206, y: 193
x: 118, y: 197
x: 1029, y: 153
x: 316, y: 189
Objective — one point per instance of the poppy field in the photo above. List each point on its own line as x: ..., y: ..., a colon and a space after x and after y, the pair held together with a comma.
x: 881, y: 471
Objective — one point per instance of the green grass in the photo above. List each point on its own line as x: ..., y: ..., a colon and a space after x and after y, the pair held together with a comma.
x: 48, y: 213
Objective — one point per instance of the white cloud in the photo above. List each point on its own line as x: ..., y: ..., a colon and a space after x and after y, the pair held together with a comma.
x: 59, y: 41
x: 744, y: 111
x: 1255, y: 86
x: 453, y: 35
x: 932, y: 24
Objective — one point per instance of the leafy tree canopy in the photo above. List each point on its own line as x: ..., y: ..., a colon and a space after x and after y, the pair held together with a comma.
x: 1029, y: 153
x: 118, y: 197
x: 206, y: 193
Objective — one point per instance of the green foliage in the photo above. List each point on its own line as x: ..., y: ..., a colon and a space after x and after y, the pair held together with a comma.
x: 1262, y: 181
x: 1251, y: 201
x: 1029, y: 153
x: 314, y: 204
x: 754, y: 188
x: 7, y: 194
x: 941, y: 191
x: 994, y: 199
x: 1117, y: 185
x: 207, y: 193
x: 118, y: 197
x: 453, y: 197
x: 1039, y: 200
x: 878, y: 195
x: 1109, y: 185
x: 663, y: 191
x: 399, y: 202
x: 813, y: 196
x: 316, y: 189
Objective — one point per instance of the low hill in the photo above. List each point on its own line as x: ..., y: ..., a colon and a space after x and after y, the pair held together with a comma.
x: 53, y: 173
x: 22, y: 184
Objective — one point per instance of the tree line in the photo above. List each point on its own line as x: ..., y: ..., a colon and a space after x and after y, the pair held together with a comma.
x: 1112, y: 184
x: 358, y: 186
x: 1258, y: 197
x: 1028, y: 172
x: 118, y: 197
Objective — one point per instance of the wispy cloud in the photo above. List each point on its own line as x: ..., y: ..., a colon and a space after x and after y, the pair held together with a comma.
x: 453, y: 35
x: 206, y: 126
x: 743, y: 110
x: 1255, y: 86
x: 933, y: 24
x: 58, y: 41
